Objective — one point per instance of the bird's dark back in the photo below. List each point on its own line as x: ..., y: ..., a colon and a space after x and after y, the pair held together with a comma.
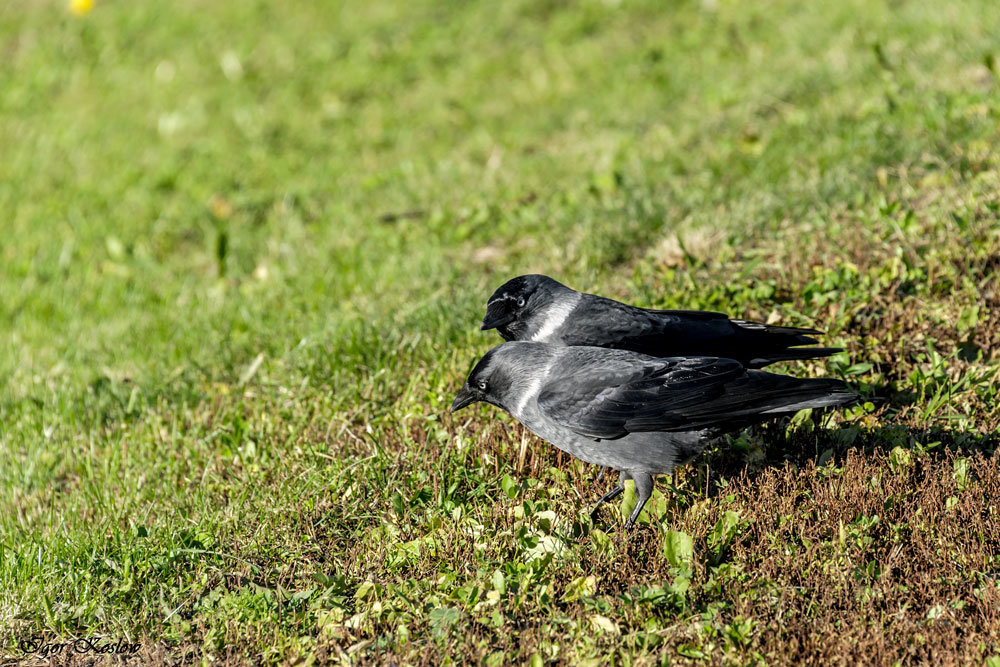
x: 607, y: 323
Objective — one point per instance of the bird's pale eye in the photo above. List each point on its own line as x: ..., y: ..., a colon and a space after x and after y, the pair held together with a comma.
x: 520, y: 302
x: 482, y: 385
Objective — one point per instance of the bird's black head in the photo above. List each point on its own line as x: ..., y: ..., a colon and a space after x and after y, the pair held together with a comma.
x: 519, y: 303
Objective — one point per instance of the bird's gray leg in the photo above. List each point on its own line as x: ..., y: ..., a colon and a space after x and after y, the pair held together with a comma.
x: 612, y: 494
x: 643, y: 489
x: 600, y: 475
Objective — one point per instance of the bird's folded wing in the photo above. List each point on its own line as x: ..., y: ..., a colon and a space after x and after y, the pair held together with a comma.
x: 690, y: 314
x: 606, y: 398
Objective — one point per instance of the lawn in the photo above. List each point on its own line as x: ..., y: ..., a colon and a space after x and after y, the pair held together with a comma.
x: 246, y: 248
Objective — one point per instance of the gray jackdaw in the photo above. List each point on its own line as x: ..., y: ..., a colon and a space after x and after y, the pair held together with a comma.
x: 638, y: 414
x: 538, y: 308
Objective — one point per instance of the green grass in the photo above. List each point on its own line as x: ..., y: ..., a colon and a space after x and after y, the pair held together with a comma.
x: 246, y: 247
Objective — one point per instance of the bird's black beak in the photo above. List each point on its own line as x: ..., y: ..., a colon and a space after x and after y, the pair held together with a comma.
x: 462, y: 398
x: 496, y: 316
x: 494, y: 322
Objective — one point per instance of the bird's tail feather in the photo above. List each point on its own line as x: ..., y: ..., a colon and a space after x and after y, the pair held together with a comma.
x: 805, y: 393
x: 803, y: 334
x: 830, y: 400
x: 765, y: 395
x: 792, y: 354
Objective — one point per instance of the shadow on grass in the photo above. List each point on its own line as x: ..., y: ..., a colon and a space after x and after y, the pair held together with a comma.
x: 758, y: 451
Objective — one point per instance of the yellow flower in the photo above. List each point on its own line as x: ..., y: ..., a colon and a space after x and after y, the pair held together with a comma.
x: 80, y: 7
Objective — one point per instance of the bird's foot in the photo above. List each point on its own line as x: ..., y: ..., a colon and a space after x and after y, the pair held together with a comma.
x: 610, y: 495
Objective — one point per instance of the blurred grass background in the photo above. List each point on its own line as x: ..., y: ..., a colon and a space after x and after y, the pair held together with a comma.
x: 246, y: 245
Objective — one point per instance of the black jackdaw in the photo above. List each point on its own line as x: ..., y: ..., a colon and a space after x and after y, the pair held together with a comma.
x: 638, y: 414
x: 538, y: 308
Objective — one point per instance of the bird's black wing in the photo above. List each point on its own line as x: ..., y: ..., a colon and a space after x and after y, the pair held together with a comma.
x: 607, y: 396
x: 607, y: 323
x: 610, y: 396
x: 667, y: 333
